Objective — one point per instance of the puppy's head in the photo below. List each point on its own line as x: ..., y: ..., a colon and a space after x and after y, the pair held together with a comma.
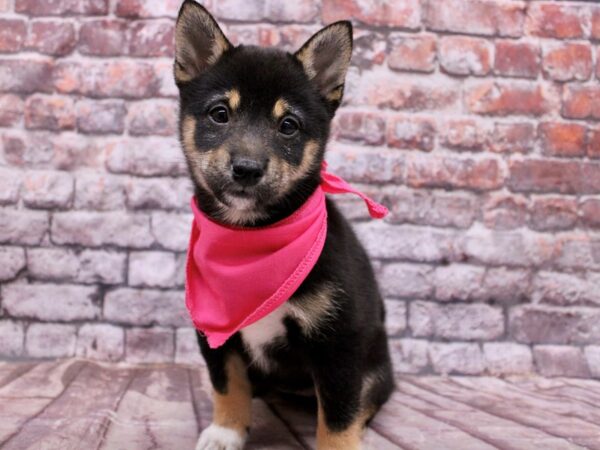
x: 254, y: 121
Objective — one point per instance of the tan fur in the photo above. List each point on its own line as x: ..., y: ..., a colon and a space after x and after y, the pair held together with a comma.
x: 348, y: 439
x: 280, y: 108
x: 233, y: 409
x: 313, y: 311
x: 336, y: 95
x: 234, y: 99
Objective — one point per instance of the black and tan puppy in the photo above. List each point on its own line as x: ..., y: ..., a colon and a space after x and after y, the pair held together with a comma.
x: 254, y: 124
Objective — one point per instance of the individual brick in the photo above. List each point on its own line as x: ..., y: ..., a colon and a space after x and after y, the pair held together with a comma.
x: 461, y: 55
x: 476, y: 17
x: 578, y: 252
x: 10, y: 186
x: 567, y: 61
x: 103, y: 37
x: 502, y: 99
x: 101, y: 116
x: 158, y: 193
x: 505, y: 211
x: 240, y: 10
x: 12, y: 261
x: 395, y: 317
x: 299, y: 11
x: 411, y: 132
x: 46, y: 189
x: 150, y: 8
x: 412, y: 53
x: 458, y: 282
x: 512, y: 137
x: 409, y: 355
x: 100, y: 266
x: 153, y: 117
x: 505, y: 286
x: 593, y: 140
x: 581, y: 102
x: 461, y: 322
x: 554, y: 20
x: 187, y: 350
x: 555, y: 360
x: 592, y: 356
x: 146, y: 307
x: 68, y: 302
x: 52, y: 37
x: 355, y: 164
x: 517, y: 59
x: 50, y: 340
x: 359, y: 126
x: 452, y: 172
x: 155, y: 269
x: 22, y: 226
x: 401, y: 14
x: 456, y: 358
x: 49, y: 113
x: 506, y: 358
x: 12, y: 339
x: 95, y: 229
x: 590, y: 212
x: 55, y: 264
x: 100, y: 341
x: 149, y: 345
x: 369, y: 48
x: 25, y: 76
x: 99, y: 191
x: 116, y: 78
x: 171, y: 231
x: 567, y: 177
x: 535, y: 324
x: 553, y: 213
x: 562, y: 139
x: 400, y: 280
x: 465, y: 134
x: 146, y: 157
x: 11, y: 110
x: 151, y: 38
x: 595, y: 23
x: 564, y: 289
x: 12, y: 35
x: 61, y: 7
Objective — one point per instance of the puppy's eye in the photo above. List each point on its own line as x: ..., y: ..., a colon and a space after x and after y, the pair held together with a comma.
x: 289, y: 126
x: 219, y: 114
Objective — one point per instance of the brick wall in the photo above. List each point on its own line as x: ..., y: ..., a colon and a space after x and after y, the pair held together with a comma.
x: 474, y: 120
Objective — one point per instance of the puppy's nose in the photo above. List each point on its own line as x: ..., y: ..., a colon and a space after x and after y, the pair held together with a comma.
x: 247, y: 172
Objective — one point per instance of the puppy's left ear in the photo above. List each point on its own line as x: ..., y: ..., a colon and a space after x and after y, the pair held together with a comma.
x: 326, y: 57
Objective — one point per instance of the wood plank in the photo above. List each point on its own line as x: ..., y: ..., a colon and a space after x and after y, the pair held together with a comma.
x: 78, y: 416
x: 155, y: 412
x: 503, y: 433
x: 522, y: 410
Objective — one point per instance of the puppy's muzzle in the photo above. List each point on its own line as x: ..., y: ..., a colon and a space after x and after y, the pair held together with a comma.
x: 248, y: 172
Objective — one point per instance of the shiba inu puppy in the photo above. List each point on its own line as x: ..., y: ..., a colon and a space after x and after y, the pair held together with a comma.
x: 254, y: 123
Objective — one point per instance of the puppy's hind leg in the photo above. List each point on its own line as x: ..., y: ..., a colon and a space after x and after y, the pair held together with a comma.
x: 231, y: 415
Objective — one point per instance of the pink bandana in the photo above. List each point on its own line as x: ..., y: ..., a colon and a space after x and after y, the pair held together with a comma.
x: 237, y: 276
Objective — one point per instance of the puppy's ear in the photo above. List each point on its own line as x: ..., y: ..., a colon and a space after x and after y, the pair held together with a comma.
x: 326, y: 57
x: 199, y: 42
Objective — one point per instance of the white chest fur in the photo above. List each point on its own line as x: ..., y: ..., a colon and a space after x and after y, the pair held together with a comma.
x: 262, y: 333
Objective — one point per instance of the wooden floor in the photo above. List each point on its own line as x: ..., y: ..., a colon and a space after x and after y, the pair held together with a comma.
x: 78, y: 404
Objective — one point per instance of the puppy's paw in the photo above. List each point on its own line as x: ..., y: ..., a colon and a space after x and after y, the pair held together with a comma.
x: 216, y: 437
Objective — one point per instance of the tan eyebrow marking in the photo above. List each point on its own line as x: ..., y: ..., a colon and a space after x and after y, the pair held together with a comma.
x: 280, y: 108
x: 234, y: 99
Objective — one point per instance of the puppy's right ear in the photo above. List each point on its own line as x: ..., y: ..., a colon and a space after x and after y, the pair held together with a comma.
x: 199, y: 42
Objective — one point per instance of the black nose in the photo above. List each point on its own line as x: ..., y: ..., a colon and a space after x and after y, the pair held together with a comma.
x: 247, y: 172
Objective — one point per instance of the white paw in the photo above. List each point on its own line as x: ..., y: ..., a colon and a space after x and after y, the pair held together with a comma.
x: 216, y: 437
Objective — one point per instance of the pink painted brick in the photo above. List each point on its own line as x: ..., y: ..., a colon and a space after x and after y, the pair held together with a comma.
x: 359, y: 126
x: 25, y: 76
x: 465, y: 134
x: 149, y: 345
x: 298, y: 11
x: 10, y: 186
x: 12, y: 35
x: 592, y: 356
x: 50, y: 340
x: 555, y: 20
x: 153, y: 117
x: 23, y: 227
x: 45, y: 189
x: 52, y: 37
x: 151, y: 38
x: 159, y: 193
x: 242, y: 10
x: 411, y: 132
x: 171, y: 231
x: 61, y: 7
x: 103, y: 37
x: 57, y: 264
x: 505, y: 211
x: 409, y: 355
x: 69, y: 302
x: 406, y: 281
x: 506, y: 358
x: 555, y: 360
x: 49, y: 113
x: 11, y: 110
x: 101, y: 116
x: 400, y: 14
x: 187, y: 350
x: 564, y: 289
x: 553, y: 213
x: 517, y: 59
x: 12, y: 339
x: 458, y: 282
x: 151, y: 8
x: 456, y: 322
x: 395, y: 317
x: 412, y: 53
x: 12, y: 261
x: 567, y: 61
x: 99, y: 191
x: 100, y: 341
x: 146, y: 157
x: 456, y: 358
x: 156, y: 269
x: 146, y: 307
x: 95, y: 229
x: 461, y: 55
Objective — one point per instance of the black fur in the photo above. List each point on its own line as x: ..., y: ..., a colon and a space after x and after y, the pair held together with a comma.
x: 354, y: 342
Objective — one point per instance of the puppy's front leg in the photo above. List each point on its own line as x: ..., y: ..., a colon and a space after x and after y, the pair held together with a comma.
x: 341, y: 418
x: 231, y: 413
